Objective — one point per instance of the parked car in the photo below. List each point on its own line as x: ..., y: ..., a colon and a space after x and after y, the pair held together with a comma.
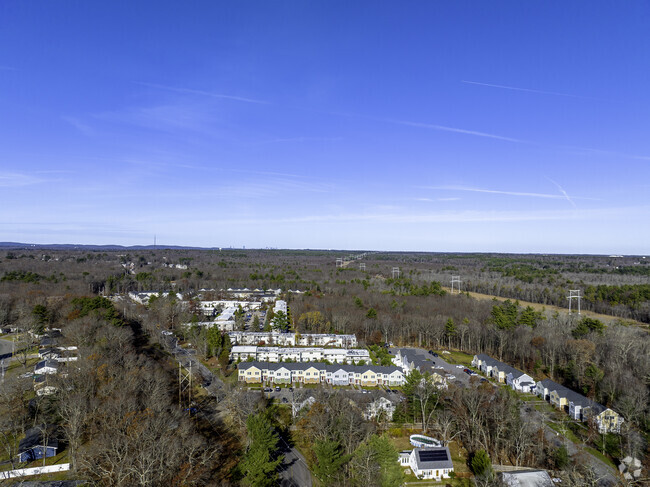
x: 467, y: 371
x: 435, y: 354
x: 268, y: 389
x: 277, y: 389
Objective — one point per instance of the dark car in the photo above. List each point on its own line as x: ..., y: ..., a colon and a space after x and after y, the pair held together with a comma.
x: 277, y: 389
x: 467, y: 371
x: 290, y: 389
x: 435, y: 354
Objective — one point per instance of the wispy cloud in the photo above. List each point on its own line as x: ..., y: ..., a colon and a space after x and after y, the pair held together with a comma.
x: 439, y: 217
x: 79, y: 125
x: 528, y: 90
x: 431, y: 200
x: 586, y: 150
x: 431, y: 126
x: 170, y: 117
x: 444, y: 128
x: 304, y: 139
x: 14, y: 180
x: 496, y: 191
x: 190, y: 91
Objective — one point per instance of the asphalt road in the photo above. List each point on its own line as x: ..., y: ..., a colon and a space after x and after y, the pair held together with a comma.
x: 5, y: 348
x: 294, y: 471
x: 438, y: 364
x: 604, y: 473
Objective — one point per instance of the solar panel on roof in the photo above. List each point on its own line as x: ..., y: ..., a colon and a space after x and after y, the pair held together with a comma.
x: 433, y: 455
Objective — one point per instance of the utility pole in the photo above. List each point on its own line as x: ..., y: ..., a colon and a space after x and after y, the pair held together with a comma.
x: 574, y: 294
x: 455, y: 280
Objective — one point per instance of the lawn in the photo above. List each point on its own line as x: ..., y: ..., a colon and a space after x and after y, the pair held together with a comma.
x: 458, y: 454
x: 16, y: 368
x: 456, y: 357
x: 544, y: 408
x: 600, y: 456
x: 564, y: 431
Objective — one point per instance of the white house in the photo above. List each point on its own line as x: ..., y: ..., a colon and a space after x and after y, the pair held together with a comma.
x: 267, y: 337
x: 46, y: 367
x: 519, y: 381
x: 428, y: 463
x: 279, y: 354
x: 280, y: 305
x: 380, y: 406
x: 243, y: 352
x: 327, y: 340
x: 339, y: 376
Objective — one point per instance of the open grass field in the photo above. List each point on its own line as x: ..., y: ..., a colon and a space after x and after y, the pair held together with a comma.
x: 562, y: 311
x: 456, y: 357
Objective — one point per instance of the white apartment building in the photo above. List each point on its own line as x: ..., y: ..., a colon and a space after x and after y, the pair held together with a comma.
x: 277, y: 354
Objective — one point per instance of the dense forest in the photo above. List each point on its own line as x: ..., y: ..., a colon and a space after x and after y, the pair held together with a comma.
x: 125, y: 390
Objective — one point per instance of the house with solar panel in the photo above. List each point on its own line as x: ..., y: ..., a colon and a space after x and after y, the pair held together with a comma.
x: 428, y: 463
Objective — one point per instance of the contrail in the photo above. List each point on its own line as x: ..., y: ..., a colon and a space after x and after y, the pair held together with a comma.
x: 528, y: 90
x: 562, y: 191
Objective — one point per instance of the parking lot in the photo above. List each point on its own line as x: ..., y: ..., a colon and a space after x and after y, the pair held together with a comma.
x: 453, y: 373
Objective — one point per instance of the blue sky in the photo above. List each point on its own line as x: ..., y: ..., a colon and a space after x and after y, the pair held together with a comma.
x: 431, y: 125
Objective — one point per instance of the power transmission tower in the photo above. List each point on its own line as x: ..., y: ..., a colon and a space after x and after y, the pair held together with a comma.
x: 362, y: 267
x: 574, y: 294
x: 339, y: 262
x: 395, y: 272
x: 184, y: 384
x: 455, y: 280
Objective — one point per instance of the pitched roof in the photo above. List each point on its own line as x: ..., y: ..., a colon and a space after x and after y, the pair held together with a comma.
x: 34, y: 437
x: 488, y: 360
x: 572, y: 396
x: 47, y: 363
x: 357, y: 369
x: 433, y: 458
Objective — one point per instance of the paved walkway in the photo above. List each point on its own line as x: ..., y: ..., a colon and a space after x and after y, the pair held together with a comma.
x: 604, y: 472
x: 5, y: 348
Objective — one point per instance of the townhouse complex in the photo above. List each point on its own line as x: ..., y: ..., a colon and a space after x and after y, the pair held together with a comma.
x: 576, y: 405
x: 271, y: 338
x: 516, y: 379
x: 277, y: 354
x: 319, y: 373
